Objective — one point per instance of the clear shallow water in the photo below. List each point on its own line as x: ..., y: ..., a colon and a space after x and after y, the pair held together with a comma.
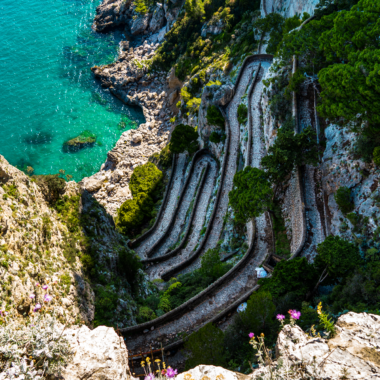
x: 47, y: 91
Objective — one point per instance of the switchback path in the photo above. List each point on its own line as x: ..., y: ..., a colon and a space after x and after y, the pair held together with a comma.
x: 231, y: 167
x: 200, y: 208
x: 221, y: 296
x: 163, y: 221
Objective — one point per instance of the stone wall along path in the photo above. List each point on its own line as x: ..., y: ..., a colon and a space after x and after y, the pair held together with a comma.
x: 200, y: 209
x: 174, y: 191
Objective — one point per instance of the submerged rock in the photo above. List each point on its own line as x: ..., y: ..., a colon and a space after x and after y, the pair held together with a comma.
x: 84, y: 140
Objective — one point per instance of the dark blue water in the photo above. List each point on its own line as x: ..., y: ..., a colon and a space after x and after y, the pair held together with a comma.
x: 47, y: 91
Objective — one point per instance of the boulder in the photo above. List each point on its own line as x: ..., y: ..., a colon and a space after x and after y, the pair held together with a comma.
x: 204, y: 372
x: 173, y: 81
x: 137, y: 137
x: 354, y: 353
x: 85, y: 139
x: 223, y: 95
x: 158, y: 20
x: 140, y: 23
x: 99, y: 354
x: 91, y: 184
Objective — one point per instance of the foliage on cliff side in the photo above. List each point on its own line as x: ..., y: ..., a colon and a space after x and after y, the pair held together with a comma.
x: 145, y: 187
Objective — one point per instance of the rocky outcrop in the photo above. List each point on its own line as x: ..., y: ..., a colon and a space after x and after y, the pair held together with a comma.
x: 211, y: 372
x: 288, y: 8
x: 158, y: 19
x: 100, y: 354
x: 32, y: 243
x: 341, y: 168
x: 111, y: 14
x: 129, y: 80
x: 352, y: 354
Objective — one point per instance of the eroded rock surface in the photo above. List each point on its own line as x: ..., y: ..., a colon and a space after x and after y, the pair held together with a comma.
x: 354, y: 353
x: 100, y: 354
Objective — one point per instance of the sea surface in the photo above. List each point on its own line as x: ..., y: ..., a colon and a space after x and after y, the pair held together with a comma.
x: 48, y: 94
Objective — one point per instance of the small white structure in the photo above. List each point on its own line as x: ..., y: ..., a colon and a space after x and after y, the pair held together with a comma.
x: 261, y: 273
x: 242, y: 307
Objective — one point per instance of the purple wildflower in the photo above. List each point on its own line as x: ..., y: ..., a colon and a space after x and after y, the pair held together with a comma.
x: 280, y: 317
x: 37, y: 307
x: 47, y: 298
x: 170, y: 373
x: 149, y: 377
x: 32, y: 296
x: 38, y: 284
x: 251, y: 335
x: 295, y: 314
x: 45, y: 287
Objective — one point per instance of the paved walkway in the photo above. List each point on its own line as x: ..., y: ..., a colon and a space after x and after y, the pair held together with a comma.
x: 231, y: 167
x: 194, y: 238
x: 244, y: 279
x: 178, y: 181
x: 313, y: 194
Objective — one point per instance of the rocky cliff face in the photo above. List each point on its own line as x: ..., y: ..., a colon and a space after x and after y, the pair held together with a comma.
x: 289, y: 8
x: 37, y: 246
x: 351, y: 355
x: 32, y: 250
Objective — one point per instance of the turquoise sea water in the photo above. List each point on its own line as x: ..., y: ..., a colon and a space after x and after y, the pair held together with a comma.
x: 47, y: 91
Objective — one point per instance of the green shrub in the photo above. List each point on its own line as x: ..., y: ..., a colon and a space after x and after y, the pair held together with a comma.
x: 338, y: 257
x: 140, y: 7
x: 52, y: 186
x: 105, y: 305
x: 145, y: 314
x: 184, y: 137
x: 206, y: 347
x: 343, y: 198
x: 376, y: 156
x: 364, y: 147
x: 216, y: 137
x: 144, y: 179
x: 242, y: 113
x: 211, y: 266
x: 215, y: 117
x: 297, y: 276
x: 257, y: 318
x: 145, y: 186
x: 129, y: 264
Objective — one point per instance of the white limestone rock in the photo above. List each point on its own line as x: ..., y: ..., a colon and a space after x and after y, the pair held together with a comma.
x: 354, y: 353
x: 211, y: 372
x: 99, y: 354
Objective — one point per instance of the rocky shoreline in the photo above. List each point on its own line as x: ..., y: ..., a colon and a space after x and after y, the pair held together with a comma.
x: 128, y: 79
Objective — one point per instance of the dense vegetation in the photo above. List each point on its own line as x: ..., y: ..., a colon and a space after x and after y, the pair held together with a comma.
x: 254, y: 189
x: 179, y: 290
x: 340, y: 51
x: 184, y: 138
x: 146, y: 188
x: 293, y: 286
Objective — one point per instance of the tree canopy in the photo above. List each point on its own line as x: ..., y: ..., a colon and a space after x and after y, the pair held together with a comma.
x: 338, y: 257
x: 288, y: 151
x: 184, y: 137
x: 251, y: 195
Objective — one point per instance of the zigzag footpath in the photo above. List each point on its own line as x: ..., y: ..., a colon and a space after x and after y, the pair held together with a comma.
x: 316, y: 230
x: 193, y: 229
x: 215, y: 225
x: 227, y: 292
x: 177, y: 221
x: 145, y: 241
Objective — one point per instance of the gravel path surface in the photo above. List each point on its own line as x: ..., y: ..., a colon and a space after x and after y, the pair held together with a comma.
x: 311, y: 180
x: 178, y: 181
x: 229, y: 290
x: 231, y: 167
x: 180, y: 216
x: 200, y: 213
